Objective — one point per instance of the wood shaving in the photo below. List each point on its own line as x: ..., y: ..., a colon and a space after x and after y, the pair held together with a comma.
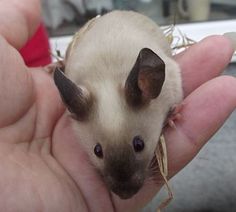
x: 161, y: 156
x: 177, y: 39
x: 58, y: 57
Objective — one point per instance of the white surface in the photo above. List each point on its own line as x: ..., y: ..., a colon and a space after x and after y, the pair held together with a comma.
x: 195, y: 31
x: 230, y: 2
x: 60, y: 44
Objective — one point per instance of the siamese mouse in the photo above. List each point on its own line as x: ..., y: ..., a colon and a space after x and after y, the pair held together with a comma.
x: 119, y: 84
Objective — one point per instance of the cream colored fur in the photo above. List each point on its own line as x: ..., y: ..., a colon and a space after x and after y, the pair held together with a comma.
x: 100, y: 60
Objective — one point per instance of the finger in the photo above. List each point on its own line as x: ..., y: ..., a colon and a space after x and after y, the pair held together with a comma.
x: 16, y: 88
x: 204, y: 112
x: 204, y: 61
x: 19, y: 18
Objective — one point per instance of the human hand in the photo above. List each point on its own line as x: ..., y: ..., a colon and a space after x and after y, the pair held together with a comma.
x: 43, y: 167
x: 208, y: 101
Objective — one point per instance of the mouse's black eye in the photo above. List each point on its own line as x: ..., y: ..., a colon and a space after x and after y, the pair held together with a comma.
x: 138, y: 144
x: 98, y: 151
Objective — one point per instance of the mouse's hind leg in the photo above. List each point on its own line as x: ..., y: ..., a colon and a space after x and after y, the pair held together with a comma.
x: 174, y: 115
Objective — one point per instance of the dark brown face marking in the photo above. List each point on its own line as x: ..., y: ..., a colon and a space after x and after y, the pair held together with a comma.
x: 146, y: 78
x: 123, y: 173
x: 77, y: 102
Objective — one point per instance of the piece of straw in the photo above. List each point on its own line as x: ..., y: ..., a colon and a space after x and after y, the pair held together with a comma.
x: 161, y: 156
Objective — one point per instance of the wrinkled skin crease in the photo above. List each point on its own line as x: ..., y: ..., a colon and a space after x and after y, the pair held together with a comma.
x: 44, y: 168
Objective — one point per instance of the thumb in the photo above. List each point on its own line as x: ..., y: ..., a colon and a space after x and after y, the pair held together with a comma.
x: 19, y: 20
x: 16, y: 85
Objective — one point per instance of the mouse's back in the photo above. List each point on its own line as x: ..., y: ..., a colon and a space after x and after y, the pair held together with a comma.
x: 115, y: 39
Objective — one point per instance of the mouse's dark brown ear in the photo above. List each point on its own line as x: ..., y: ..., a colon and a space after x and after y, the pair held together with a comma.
x: 146, y: 78
x: 77, y: 99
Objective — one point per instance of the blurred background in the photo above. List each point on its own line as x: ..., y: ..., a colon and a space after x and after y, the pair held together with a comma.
x: 64, y: 17
x: 207, y: 184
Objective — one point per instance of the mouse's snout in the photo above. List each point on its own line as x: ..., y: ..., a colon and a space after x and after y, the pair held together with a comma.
x: 124, y: 174
x: 125, y: 187
x: 124, y: 190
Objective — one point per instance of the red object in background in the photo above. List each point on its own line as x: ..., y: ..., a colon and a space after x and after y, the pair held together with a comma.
x: 36, y: 52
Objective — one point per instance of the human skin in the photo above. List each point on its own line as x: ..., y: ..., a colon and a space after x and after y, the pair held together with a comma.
x: 43, y: 166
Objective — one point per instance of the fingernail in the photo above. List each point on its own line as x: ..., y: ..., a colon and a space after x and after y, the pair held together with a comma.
x: 232, y: 37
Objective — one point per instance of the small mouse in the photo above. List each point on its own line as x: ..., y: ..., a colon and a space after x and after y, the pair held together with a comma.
x: 119, y: 84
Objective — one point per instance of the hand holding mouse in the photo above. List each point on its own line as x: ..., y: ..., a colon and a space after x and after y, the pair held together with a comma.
x: 42, y: 165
